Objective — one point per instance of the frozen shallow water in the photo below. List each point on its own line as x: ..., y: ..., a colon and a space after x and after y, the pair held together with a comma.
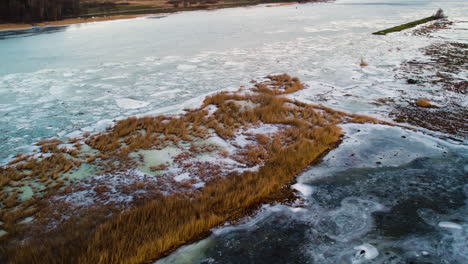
x: 71, y: 78
x: 410, y: 209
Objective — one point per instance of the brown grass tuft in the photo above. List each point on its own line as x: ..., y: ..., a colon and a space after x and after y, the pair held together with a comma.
x: 159, y: 167
x: 425, y: 103
x: 363, y: 63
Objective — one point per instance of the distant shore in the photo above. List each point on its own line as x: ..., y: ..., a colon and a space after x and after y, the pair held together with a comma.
x: 65, y: 22
x: 104, y: 17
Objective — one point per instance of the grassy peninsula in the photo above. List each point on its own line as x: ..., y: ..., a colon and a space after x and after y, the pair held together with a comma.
x: 166, y: 210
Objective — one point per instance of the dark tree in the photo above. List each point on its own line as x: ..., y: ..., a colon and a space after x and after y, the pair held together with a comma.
x: 28, y: 11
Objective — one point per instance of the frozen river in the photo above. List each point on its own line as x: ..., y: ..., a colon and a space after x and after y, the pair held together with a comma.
x: 80, y: 78
x: 386, y: 195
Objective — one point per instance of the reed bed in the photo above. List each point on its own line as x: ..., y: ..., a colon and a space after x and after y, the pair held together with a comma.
x: 161, y: 223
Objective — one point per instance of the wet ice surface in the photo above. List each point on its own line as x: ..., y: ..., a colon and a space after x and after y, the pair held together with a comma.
x: 372, y: 146
x: 67, y: 81
x: 407, y: 210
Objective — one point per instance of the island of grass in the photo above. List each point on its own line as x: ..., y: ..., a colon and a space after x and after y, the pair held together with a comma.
x: 236, y: 151
x: 438, y: 15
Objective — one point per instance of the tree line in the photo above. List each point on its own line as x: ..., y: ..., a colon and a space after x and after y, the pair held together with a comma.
x: 29, y: 11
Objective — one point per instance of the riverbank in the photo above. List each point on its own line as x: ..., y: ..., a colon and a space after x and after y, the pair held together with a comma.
x: 142, y: 11
x: 66, y: 22
x: 439, y: 105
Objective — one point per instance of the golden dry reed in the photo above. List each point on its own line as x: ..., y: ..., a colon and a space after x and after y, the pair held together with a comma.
x: 425, y: 103
x: 160, y: 225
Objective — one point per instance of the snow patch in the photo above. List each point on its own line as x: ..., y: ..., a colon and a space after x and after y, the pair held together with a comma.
x: 264, y: 129
x: 127, y: 103
x: 211, y: 109
x: 304, y: 189
x: 199, y: 185
x: 182, y: 177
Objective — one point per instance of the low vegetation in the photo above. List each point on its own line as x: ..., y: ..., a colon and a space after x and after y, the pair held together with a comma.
x: 156, y: 225
x: 363, y: 63
x: 441, y: 75
x: 423, y: 102
x: 28, y: 11
x: 438, y: 15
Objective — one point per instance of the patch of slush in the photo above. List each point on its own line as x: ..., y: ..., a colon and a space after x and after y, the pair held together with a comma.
x: 84, y: 171
x: 156, y: 157
x: 27, y: 193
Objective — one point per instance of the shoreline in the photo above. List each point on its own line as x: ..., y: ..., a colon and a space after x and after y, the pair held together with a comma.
x: 110, y: 17
x: 67, y: 22
x: 289, y: 195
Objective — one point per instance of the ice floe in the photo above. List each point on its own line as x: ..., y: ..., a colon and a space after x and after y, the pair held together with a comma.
x: 127, y: 103
x: 450, y: 225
